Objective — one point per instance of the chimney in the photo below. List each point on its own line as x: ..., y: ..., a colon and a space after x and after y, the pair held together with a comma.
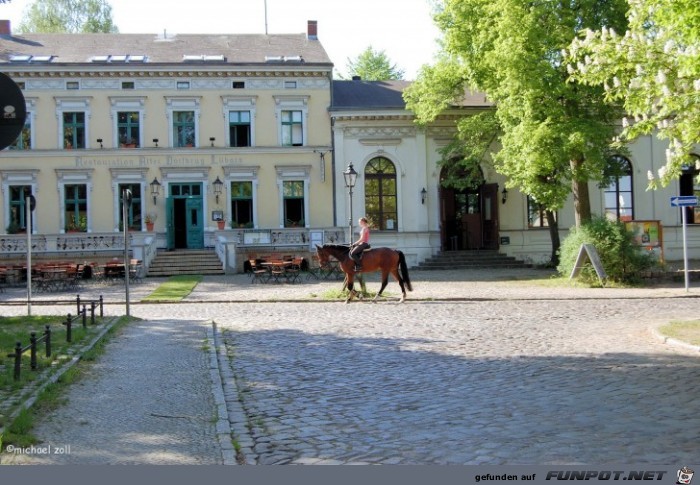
x: 312, y: 30
x: 5, y: 28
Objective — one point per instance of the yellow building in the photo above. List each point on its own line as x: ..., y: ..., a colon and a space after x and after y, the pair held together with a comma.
x: 222, y: 140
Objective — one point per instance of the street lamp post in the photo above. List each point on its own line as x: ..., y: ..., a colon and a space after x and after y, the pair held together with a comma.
x: 350, y: 177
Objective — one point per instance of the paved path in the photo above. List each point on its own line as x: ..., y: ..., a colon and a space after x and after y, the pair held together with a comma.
x: 514, y: 373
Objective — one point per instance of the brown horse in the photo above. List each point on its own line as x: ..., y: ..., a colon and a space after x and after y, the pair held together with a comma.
x: 386, y: 260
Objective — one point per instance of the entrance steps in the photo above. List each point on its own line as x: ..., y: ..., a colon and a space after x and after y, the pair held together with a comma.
x: 470, y: 259
x: 186, y: 261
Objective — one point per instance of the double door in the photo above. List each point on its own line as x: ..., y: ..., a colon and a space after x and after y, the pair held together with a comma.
x: 185, y: 216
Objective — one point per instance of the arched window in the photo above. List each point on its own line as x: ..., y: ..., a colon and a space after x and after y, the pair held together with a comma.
x: 619, y: 204
x: 380, y: 194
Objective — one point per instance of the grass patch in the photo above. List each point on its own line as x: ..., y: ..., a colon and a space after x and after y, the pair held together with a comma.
x: 19, y: 431
x: 175, y: 289
x: 18, y: 329
x: 688, y: 332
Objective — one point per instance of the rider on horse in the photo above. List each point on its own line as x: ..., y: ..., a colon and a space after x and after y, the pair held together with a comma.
x: 361, y: 244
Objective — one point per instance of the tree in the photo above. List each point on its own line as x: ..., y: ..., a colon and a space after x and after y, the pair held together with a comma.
x: 68, y: 16
x: 653, y: 69
x: 551, y: 136
x: 373, y: 65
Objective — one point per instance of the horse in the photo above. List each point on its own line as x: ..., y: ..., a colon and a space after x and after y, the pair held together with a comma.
x: 386, y: 260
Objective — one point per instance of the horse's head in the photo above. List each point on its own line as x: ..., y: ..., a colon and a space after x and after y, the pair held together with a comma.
x: 323, y: 256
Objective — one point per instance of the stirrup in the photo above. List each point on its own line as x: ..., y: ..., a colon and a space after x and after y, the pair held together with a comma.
x: 358, y: 267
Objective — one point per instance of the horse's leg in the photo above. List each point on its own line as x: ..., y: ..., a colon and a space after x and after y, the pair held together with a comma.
x: 351, y: 291
x: 395, y: 273
x: 385, y: 281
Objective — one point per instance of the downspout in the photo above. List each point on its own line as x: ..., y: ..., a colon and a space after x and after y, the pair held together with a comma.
x: 335, y: 212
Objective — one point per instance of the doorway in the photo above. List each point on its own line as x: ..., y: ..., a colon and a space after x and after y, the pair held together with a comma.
x: 469, y: 218
x: 185, y: 216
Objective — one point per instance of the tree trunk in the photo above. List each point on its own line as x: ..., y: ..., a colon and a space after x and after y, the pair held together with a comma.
x: 554, y: 236
x: 579, y: 189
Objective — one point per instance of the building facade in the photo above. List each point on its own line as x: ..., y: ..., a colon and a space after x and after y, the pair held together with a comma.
x: 399, y: 186
x: 239, y: 143
x: 221, y: 141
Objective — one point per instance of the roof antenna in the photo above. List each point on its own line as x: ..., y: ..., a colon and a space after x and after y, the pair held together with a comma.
x: 265, y: 17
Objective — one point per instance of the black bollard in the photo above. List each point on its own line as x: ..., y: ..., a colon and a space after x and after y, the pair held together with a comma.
x: 18, y: 359
x: 92, y: 312
x: 69, y: 332
x: 84, y: 317
x: 77, y: 305
x: 101, y: 308
x: 32, y: 350
x: 47, y: 339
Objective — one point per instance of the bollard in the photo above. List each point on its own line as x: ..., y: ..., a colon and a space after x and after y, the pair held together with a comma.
x: 18, y: 359
x: 101, y: 314
x: 77, y: 305
x: 92, y: 312
x: 84, y: 317
x: 32, y: 350
x: 47, y: 339
x: 69, y: 333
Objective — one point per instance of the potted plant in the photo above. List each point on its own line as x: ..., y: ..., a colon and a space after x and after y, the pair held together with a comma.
x: 77, y: 224
x: 13, y: 228
x: 150, y: 222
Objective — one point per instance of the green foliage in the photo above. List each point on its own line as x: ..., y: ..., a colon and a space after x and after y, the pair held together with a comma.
x: 653, y: 69
x: 68, y: 16
x: 373, y: 65
x: 510, y: 50
x: 622, y: 260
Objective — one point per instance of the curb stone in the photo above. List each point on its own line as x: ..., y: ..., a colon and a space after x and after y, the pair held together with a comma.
x: 672, y: 341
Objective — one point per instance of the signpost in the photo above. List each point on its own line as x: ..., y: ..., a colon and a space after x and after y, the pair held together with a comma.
x: 684, y: 201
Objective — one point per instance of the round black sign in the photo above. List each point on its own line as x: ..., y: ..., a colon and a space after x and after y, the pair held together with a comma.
x: 13, y: 111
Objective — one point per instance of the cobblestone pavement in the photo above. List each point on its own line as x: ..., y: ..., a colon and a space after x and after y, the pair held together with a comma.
x: 488, y: 368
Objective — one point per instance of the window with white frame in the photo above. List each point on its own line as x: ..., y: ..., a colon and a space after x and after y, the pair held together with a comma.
x: 242, y: 203
x: 242, y: 186
x: 183, y: 115
x: 239, y: 128
x: 381, y: 194
x: 75, y: 205
x: 17, y: 185
x: 73, y: 114
x: 24, y: 140
x: 291, y: 114
x: 134, y: 210
x: 127, y: 115
x: 74, y: 130
x: 74, y: 187
x: 618, y: 193
x: 536, y: 214
x: 239, y: 113
x: 293, y: 184
x: 18, y: 207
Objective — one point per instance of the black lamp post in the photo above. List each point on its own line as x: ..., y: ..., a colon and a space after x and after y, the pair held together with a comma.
x: 218, y: 188
x: 350, y: 177
x: 155, y: 189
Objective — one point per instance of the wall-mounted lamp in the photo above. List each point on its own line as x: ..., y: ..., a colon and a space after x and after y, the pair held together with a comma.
x: 155, y: 189
x: 504, y: 195
x: 212, y: 140
x: 218, y: 188
x: 99, y: 140
x: 423, y: 195
x: 155, y: 140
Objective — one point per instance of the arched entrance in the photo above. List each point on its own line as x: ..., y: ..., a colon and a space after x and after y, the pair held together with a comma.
x: 469, y: 217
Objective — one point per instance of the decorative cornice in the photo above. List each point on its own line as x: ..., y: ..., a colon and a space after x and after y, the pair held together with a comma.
x: 164, y: 73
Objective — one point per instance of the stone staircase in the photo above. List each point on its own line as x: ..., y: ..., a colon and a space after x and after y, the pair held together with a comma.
x: 185, y: 261
x: 470, y: 259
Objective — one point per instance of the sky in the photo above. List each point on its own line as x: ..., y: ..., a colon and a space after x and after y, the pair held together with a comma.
x: 403, y: 29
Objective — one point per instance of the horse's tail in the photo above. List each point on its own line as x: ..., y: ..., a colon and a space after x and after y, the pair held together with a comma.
x: 404, y: 270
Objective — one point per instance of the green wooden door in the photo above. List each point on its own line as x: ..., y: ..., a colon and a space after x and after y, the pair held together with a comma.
x: 195, y: 223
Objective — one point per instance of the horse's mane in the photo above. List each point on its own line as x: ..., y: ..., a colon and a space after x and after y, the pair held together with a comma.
x: 338, y: 247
